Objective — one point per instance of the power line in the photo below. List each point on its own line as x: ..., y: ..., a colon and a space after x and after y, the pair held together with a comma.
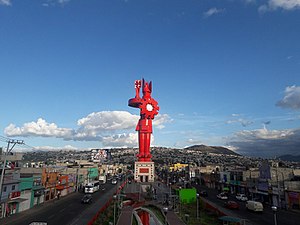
x: 10, y: 145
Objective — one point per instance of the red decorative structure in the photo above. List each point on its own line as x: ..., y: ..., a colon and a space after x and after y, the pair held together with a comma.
x: 144, y: 168
x: 148, y: 109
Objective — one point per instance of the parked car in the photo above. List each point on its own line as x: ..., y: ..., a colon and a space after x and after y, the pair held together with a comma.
x: 222, y: 196
x: 255, y: 206
x: 86, y: 199
x: 231, y: 205
x: 241, y: 197
x: 203, y: 193
x: 114, y: 181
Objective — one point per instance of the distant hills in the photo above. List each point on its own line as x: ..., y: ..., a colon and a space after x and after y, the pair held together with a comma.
x: 290, y: 158
x: 212, y: 149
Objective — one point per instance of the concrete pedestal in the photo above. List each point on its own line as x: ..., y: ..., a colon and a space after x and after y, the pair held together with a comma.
x: 144, y: 172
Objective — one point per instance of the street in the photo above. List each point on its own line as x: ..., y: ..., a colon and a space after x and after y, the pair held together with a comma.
x: 67, y: 210
x: 284, y: 217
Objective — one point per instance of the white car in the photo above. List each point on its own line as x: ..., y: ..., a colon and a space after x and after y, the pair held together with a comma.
x: 222, y: 196
x: 255, y: 206
x: 241, y: 197
x: 114, y: 181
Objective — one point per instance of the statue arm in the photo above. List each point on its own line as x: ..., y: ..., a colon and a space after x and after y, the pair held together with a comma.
x: 137, y: 85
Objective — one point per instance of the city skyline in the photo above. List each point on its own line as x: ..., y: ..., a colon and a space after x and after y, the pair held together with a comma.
x: 224, y: 73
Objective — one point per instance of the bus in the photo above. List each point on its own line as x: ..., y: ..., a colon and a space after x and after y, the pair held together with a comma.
x: 92, y: 187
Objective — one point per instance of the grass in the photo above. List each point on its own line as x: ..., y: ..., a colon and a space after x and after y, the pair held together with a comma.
x: 205, y: 218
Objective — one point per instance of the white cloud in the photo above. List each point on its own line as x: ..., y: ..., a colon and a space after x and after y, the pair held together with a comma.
x: 243, y: 122
x: 213, y: 11
x: 47, y: 148
x: 109, y: 127
x: 280, y: 4
x: 266, y: 143
x: 51, y: 148
x: 248, y: 135
x: 108, y: 120
x: 238, y: 119
x: 250, y: 1
x: 54, y: 3
x: 291, y: 98
x: 121, y: 140
x: 63, y: 1
x: 5, y: 2
x: 192, y: 141
x: 160, y: 120
x: 39, y: 128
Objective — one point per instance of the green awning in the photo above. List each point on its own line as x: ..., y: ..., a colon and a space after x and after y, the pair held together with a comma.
x: 226, y: 189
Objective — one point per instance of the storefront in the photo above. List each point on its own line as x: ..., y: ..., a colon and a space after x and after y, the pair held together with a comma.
x: 49, y: 193
x: 293, y: 199
x: 12, y: 205
x: 38, y: 196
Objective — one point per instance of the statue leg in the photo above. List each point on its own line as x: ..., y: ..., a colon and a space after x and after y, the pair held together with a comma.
x: 141, y: 146
x: 147, y: 146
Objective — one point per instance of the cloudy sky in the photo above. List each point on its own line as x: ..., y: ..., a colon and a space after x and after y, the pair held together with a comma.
x: 224, y: 73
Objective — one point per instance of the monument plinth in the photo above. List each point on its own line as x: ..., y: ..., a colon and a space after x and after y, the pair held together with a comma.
x: 144, y: 167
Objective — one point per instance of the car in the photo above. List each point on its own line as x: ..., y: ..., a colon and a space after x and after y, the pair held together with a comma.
x: 231, y: 205
x: 222, y: 196
x: 114, y: 181
x: 86, y: 199
x: 203, y: 193
x: 255, y: 206
x: 241, y: 197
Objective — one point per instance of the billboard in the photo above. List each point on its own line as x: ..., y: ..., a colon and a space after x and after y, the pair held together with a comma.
x: 100, y: 155
x: 187, y: 195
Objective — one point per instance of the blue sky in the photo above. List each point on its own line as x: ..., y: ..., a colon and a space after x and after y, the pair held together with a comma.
x: 224, y: 72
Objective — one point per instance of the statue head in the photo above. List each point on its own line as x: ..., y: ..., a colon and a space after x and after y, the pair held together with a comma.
x: 147, y: 88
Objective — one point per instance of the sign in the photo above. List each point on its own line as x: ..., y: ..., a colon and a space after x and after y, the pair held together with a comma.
x: 99, y: 155
x: 15, y: 194
x: 144, y: 170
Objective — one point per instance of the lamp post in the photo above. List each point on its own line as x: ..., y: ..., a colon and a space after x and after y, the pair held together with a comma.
x: 165, y: 210
x: 274, y: 209
x: 115, y: 198
x: 197, y: 210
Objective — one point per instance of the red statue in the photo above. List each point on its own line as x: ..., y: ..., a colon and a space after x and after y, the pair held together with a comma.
x: 148, y: 109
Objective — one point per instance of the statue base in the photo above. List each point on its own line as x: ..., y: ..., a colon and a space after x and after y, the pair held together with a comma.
x: 144, y: 172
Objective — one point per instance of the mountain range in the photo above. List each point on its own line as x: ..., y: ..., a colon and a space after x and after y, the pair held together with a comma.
x: 211, y: 149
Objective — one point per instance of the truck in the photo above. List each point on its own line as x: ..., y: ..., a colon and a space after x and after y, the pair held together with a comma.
x: 102, y: 179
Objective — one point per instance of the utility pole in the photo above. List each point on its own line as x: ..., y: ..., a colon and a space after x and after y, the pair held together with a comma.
x: 8, y: 150
x: 77, y: 174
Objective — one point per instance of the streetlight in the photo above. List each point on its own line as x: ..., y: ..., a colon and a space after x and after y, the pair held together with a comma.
x: 197, y: 210
x: 274, y: 209
x: 115, y: 198
x: 165, y: 210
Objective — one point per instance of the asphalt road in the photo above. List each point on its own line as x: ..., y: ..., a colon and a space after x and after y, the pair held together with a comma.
x: 68, y: 210
x: 284, y: 217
